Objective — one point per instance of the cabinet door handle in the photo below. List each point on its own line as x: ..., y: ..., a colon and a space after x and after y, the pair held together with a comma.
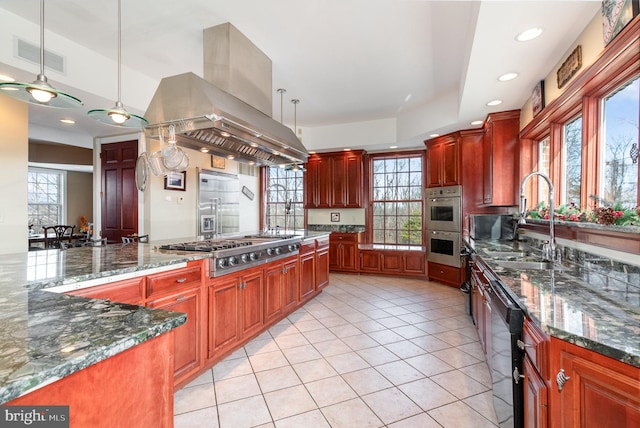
x: 181, y: 280
x: 561, y: 379
x: 523, y: 345
x: 517, y: 376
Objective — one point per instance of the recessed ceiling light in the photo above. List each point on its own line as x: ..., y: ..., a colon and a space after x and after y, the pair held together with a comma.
x: 477, y: 122
x: 434, y: 135
x: 69, y: 121
x: 204, y: 150
x: 508, y: 76
x: 7, y: 78
x: 393, y: 147
x: 494, y: 102
x: 529, y: 34
x: 347, y: 149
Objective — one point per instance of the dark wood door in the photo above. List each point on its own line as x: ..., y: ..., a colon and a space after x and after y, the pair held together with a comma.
x: 119, y: 192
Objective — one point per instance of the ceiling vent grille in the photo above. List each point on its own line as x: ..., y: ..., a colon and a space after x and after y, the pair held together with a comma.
x: 31, y: 53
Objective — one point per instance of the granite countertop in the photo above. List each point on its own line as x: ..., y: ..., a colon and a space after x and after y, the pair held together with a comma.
x: 45, y: 336
x: 589, y: 300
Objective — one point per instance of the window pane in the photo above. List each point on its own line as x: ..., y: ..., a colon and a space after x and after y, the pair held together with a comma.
x: 619, y: 174
x: 573, y: 163
x: 284, y: 199
x: 45, y: 197
x: 397, y: 200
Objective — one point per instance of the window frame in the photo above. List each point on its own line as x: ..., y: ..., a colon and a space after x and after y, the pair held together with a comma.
x: 369, y: 176
x: 62, y: 194
x: 297, y: 205
x: 617, y: 64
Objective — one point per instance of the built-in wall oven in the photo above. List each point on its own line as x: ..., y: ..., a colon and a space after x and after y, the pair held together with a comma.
x: 443, y: 221
x: 443, y: 208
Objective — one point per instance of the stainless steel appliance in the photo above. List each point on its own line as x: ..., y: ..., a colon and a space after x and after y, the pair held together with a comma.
x: 233, y: 255
x: 218, y: 203
x: 443, y: 221
x: 444, y: 247
x: 444, y: 208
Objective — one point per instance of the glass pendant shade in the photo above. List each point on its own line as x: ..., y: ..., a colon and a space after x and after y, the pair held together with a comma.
x: 118, y: 115
x: 40, y: 92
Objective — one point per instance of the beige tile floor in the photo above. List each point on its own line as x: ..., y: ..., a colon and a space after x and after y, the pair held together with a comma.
x: 367, y: 352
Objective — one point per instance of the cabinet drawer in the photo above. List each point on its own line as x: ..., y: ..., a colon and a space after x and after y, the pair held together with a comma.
x: 535, y: 346
x: 322, y: 243
x: 343, y: 237
x: 127, y: 291
x: 447, y: 274
x: 307, y: 247
x: 173, y: 280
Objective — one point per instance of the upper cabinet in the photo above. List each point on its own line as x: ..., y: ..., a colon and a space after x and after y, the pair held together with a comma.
x: 500, y: 158
x: 334, y: 180
x: 443, y: 161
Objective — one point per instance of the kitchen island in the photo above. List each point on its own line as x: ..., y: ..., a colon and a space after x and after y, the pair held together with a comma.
x: 49, y: 338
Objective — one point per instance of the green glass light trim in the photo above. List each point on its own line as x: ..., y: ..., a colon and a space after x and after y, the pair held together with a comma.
x: 22, y: 91
x: 105, y: 116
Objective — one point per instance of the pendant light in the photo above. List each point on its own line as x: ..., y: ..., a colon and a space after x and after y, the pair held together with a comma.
x: 40, y: 92
x: 118, y: 115
x: 295, y: 103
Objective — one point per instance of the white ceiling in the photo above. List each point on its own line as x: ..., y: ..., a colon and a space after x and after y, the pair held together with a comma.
x: 430, y: 65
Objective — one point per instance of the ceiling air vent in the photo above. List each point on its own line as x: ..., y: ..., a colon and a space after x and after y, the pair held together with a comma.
x: 31, y: 53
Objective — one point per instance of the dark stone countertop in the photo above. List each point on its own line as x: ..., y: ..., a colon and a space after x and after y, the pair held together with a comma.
x: 391, y: 247
x: 591, y: 301
x: 45, y: 336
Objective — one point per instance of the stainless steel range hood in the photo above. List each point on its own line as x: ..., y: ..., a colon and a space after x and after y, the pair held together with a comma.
x: 205, y: 116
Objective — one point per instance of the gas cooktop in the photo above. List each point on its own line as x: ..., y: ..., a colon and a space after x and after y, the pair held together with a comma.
x: 207, y: 245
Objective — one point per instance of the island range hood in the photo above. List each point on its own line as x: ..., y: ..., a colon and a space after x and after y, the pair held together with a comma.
x: 206, y: 117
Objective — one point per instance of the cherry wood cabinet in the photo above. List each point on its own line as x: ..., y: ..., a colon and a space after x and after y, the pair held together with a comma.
x: 392, y: 262
x: 322, y: 263
x: 280, y: 288
x: 343, y: 251
x: 187, y: 357
x: 535, y: 396
x: 334, y: 180
x: 307, y: 270
x: 290, y: 284
x: 599, y: 392
x: 128, y: 291
x: 235, y: 310
x: 449, y: 275
x: 443, y: 161
x: 500, y: 157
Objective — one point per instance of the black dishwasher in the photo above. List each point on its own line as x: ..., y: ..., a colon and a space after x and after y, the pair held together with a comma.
x: 505, y: 359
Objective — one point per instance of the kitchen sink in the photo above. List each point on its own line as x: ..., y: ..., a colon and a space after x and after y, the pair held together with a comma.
x: 527, y: 265
x: 505, y: 253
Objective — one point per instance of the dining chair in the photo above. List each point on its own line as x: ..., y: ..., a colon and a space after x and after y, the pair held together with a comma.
x: 128, y: 239
x: 58, y: 236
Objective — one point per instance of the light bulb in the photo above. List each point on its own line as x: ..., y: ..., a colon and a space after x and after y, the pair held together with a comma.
x: 118, y: 118
x: 41, y: 95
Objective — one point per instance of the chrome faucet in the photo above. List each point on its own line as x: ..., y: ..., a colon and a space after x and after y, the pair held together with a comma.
x: 549, y: 248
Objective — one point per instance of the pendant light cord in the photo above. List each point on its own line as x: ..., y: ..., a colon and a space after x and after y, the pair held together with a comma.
x: 119, y: 50
x: 42, y: 37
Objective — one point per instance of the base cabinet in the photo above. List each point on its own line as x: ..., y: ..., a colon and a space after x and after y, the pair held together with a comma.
x: 392, y: 262
x: 322, y: 264
x: 449, y: 275
x: 343, y: 252
x: 235, y: 310
x: 307, y: 270
x: 535, y: 395
x: 280, y: 288
x: 187, y: 337
x: 599, y: 392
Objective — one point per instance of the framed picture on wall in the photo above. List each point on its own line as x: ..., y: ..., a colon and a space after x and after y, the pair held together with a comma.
x: 537, y: 98
x: 176, y: 181
x: 616, y: 14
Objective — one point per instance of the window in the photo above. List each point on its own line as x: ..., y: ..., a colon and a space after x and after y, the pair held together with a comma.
x: 573, y: 161
x: 544, y: 165
x: 619, y: 156
x: 397, y: 189
x: 45, y: 190
x: 284, y: 199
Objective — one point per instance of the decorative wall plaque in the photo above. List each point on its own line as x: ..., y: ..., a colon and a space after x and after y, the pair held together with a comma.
x: 570, y: 67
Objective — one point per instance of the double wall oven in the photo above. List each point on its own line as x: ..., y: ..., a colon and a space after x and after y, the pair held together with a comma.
x: 443, y: 221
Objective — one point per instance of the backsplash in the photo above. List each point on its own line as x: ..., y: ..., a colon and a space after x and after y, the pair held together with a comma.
x: 335, y: 228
